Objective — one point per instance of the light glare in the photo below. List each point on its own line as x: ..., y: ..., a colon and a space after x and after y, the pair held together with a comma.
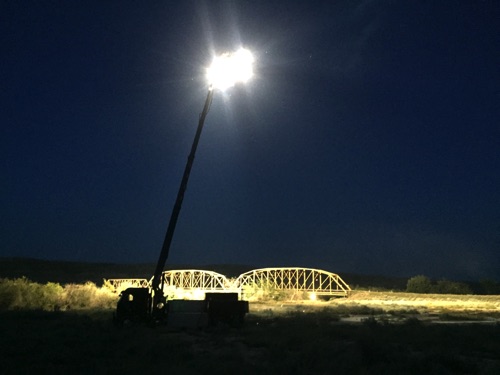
x: 229, y: 68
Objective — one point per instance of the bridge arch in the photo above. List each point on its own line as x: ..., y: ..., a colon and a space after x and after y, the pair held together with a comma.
x: 193, y: 284
x: 296, y: 279
x: 118, y: 285
x: 195, y: 279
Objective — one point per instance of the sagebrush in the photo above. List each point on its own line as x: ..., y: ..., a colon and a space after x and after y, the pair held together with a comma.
x: 23, y: 294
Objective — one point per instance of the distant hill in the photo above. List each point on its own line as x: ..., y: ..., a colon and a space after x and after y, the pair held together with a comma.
x: 374, y: 282
x: 65, y: 272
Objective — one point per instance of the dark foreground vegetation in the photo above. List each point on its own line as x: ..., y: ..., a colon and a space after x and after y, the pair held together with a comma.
x: 85, y: 342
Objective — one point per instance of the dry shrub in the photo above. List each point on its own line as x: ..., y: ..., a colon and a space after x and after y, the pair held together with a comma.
x: 23, y: 294
x: 51, y: 296
x: 88, y: 296
x: 266, y: 293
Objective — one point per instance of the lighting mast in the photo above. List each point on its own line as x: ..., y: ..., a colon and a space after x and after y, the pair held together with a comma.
x: 226, y: 70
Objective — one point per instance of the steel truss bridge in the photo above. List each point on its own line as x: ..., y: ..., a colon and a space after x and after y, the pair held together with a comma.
x: 194, y: 283
x: 295, y: 279
x: 117, y: 285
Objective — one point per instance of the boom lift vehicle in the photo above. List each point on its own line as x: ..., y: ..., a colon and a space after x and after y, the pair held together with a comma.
x: 151, y: 304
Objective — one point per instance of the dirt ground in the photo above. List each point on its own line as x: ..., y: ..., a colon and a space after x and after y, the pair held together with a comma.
x: 367, y: 333
x: 428, y: 307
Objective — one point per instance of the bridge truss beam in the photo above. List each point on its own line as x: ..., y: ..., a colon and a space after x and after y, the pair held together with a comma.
x: 296, y: 279
x: 198, y: 282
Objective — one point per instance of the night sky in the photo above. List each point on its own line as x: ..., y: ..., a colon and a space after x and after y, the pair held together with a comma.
x: 367, y: 142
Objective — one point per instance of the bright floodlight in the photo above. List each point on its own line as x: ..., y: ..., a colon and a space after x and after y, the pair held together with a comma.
x: 230, y: 68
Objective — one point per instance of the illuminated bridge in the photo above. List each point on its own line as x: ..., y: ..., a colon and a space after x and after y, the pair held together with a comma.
x: 195, y: 283
x: 195, y: 279
x: 117, y: 285
x: 295, y: 279
x: 185, y: 284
